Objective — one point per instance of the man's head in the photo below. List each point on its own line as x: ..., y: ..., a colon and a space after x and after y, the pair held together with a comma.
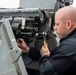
x: 65, y: 21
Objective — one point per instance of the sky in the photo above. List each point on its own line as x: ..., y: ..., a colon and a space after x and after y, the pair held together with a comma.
x: 15, y: 3
x: 9, y: 3
x: 74, y: 4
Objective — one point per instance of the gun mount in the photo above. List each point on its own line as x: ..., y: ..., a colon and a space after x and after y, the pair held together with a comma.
x: 28, y: 23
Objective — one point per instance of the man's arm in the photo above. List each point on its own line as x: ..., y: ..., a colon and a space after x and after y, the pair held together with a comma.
x: 61, y: 63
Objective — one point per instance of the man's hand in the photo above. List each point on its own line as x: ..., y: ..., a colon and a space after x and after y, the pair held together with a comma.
x: 45, y: 51
x: 22, y: 45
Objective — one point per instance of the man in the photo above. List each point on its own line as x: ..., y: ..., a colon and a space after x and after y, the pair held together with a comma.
x: 63, y: 59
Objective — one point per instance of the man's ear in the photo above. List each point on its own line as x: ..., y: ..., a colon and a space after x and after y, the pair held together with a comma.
x: 69, y: 24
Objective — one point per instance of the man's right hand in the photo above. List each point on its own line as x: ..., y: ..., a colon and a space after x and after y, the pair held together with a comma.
x: 22, y: 45
x: 44, y: 50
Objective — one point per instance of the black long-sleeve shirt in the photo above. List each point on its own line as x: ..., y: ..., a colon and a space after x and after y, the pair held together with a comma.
x: 63, y: 60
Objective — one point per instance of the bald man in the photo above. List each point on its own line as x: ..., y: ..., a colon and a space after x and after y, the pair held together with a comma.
x: 62, y: 60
